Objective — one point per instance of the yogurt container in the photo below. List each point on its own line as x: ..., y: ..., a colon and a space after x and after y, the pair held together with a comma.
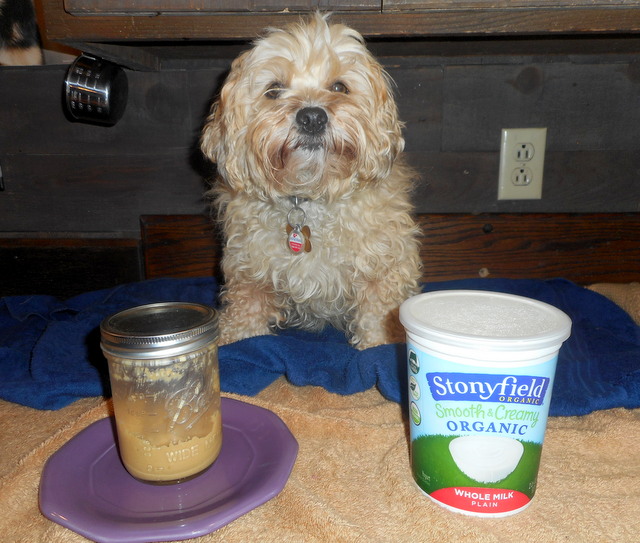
x: 480, y: 377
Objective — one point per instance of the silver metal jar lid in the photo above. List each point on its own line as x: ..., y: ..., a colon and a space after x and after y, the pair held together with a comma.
x: 157, y: 330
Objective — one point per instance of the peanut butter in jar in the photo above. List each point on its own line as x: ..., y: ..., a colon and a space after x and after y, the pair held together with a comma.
x: 163, y: 367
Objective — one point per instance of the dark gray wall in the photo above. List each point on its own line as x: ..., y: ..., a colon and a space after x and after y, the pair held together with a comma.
x: 73, y: 179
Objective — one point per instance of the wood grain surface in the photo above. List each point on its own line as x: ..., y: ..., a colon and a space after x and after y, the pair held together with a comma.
x: 416, y: 19
x: 584, y: 248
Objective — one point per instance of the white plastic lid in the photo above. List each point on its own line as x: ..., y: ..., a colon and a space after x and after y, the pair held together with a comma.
x: 484, y: 319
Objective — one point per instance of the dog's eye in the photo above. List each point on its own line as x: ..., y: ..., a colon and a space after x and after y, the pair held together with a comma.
x: 274, y: 90
x: 339, y: 86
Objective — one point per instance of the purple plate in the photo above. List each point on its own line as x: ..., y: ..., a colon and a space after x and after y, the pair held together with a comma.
x: 85, y: 487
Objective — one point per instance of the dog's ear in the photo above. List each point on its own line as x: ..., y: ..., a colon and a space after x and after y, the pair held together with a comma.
x: 213, y: 133
x: 210, y: 137
x: 388, y: 119
x: 384, y: 138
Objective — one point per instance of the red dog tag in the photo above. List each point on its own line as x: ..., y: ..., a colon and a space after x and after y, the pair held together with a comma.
x: 298, y: 238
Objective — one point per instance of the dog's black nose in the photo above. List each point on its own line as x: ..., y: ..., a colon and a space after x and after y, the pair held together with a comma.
x: 312, y: 120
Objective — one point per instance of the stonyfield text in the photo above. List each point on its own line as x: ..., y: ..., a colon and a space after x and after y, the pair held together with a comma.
x: 482, y: 387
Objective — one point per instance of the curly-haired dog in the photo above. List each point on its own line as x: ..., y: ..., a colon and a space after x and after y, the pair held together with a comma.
x: 313, y: 192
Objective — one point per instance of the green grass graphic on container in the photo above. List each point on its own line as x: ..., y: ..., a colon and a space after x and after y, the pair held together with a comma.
x: 435, y: 468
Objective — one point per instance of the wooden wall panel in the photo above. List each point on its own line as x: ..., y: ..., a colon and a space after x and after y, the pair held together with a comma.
x: 418, y: 91
x: 63, y: 176
x: 495, y: 4
x: 585, y: 248
x: 574, y: 182
x: 180, y: 246
x: 78, y: 179
x: 584, y: 106
x: 84, y: 194
x: 141, y: 7
x: 165, y: 110
x: 66, y: 267
x: 588, y: 16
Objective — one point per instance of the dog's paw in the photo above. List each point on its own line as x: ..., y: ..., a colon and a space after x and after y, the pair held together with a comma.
x: 231, y: 330
x: 372, y: 330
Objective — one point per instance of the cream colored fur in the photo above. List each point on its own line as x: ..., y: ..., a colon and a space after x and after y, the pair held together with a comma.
x: 351, y: 179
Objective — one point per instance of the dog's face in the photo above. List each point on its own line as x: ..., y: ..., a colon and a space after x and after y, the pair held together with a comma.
x: 307, y: 112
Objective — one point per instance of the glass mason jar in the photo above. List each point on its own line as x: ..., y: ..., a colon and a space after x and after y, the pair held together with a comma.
x: 163, y: 368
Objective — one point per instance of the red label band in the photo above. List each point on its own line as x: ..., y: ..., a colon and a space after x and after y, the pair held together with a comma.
x: 481, y: 500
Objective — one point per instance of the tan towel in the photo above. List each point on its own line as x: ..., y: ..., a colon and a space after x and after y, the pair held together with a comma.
x: 352, y: 482
x: 627, y: 296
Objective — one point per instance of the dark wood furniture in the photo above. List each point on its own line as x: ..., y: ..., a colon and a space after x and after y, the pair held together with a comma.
x: 139, y: 33
x: 585, y: 248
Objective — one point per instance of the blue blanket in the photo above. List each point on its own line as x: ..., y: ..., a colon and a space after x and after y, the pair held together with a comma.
x: 50, y: 349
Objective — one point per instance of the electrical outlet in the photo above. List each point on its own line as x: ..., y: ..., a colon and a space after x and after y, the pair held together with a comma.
x: 521, y: 163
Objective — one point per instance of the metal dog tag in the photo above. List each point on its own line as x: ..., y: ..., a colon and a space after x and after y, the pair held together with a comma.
x: 298, y: 234
x: 298, y: 238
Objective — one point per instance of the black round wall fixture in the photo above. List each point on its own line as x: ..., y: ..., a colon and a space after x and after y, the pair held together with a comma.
x: 95, y: 90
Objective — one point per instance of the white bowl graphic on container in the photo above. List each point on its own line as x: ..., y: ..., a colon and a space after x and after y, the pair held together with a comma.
x: 486, y: 459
